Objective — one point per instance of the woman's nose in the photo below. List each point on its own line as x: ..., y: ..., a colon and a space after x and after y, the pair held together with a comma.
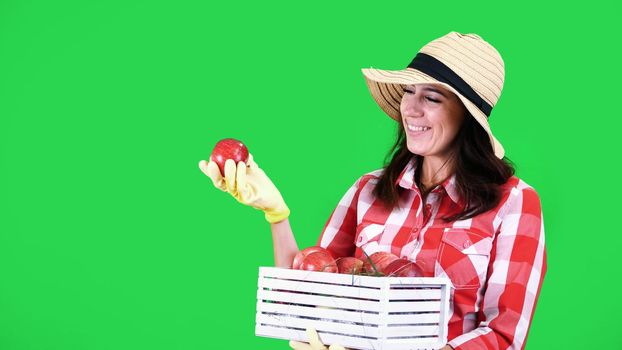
x: 410, y: 107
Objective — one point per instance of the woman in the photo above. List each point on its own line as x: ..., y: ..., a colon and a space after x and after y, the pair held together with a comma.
x: 447, y: 199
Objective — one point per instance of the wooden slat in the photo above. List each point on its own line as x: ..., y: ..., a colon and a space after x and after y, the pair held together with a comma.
x: 415, y: 306
x: 433, y: 343
x: 312, y: 287
x: 414, y: 294
x: 335, y: 314
x: 326, y: 277
x: 413, y: 318
x: 343, y: 315
x: 411, y: 331
x: 346, y: 328
x: 318, y: 325
x: 317, y: 300
x: 301, y: 335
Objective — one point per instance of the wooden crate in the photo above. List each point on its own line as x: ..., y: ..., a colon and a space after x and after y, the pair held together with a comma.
x: 360, y: 312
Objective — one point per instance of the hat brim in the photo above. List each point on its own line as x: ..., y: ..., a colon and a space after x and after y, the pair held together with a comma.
x: 386, y: 89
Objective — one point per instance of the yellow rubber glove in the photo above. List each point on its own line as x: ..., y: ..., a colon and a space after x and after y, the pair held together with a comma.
x: 249, y: 185
x: 314, y: 343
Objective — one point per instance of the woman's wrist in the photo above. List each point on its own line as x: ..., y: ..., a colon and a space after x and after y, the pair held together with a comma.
x: 277, y: 215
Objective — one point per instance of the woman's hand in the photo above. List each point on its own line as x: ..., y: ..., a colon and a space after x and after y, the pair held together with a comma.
x: 314, y: 343
x: 249, y: 185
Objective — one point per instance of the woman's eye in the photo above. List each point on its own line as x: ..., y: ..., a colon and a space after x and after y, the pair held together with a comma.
x: 406, y: 91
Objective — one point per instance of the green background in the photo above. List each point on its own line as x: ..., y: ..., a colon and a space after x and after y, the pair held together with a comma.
x: 112, y: 238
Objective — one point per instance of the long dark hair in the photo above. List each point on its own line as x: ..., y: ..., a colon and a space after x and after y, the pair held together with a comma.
x: 479, y: 173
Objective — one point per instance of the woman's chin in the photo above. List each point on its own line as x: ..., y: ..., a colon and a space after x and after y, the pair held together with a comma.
x: 417, y: 150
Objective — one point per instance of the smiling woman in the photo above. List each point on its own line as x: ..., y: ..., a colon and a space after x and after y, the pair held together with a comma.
x: 446, y: 199
x: 442, y: 138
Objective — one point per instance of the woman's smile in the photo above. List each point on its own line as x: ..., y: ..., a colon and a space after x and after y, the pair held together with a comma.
x: 416, y: 131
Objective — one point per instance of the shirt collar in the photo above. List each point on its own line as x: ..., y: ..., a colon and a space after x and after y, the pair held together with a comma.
x: 406, y: 179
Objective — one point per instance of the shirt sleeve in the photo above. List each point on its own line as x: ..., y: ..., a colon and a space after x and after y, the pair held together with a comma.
x: 339, y: 231
x: 515, y: 274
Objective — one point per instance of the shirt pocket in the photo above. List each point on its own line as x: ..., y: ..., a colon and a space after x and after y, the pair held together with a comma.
x: 464, y: 255
x: 367, y: 237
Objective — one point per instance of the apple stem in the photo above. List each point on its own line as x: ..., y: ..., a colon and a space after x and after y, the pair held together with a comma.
x: 376, y: 272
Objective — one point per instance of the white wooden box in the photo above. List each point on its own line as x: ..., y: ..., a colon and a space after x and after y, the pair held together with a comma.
x: 359, y: 312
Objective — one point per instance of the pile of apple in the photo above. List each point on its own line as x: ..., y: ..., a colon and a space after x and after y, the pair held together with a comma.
x: 377, y: 264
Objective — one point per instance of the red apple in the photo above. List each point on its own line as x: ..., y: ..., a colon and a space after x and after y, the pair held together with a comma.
x: 303, y: 253
x: 228, y: 149
x: 380, y: 260
x: 319, y: 261
x: 403, y: 268
x: 349, y: 265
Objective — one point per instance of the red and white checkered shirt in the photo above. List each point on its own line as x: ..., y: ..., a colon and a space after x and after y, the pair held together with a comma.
x: 496, y: 261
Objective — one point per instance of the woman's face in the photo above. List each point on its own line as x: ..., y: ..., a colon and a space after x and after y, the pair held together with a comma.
x: 432, y: 116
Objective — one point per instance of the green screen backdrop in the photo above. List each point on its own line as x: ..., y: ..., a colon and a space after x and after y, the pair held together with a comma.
x: 112, y: 238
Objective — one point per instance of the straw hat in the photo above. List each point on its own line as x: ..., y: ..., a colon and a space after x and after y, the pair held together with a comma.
x: 465, y: 64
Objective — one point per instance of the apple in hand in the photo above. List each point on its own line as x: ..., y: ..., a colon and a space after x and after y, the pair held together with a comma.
x: 318, y: 261
x: 403, y: 268
x: 303, y: 253
x: 228, y: 149
x: 350, y: 265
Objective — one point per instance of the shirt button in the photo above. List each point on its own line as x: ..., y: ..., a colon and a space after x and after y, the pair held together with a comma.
x: 466, y: 244
x: 360, y: 239
x: 415, y: 229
